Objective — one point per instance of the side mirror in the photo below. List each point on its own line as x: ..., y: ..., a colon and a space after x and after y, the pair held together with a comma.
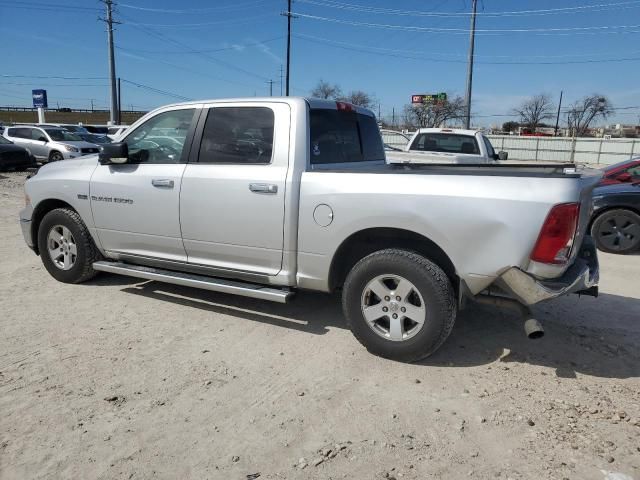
x: 503, y: 155
x: 43, y: 139
x: 113, y: 154
x: 624, y: 177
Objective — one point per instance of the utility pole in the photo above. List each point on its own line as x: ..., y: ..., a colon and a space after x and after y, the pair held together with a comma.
x: 270, y: 82
x: 112, y: 62
x: 92, y: 105
x: 289, y: 16
x: 119, y: 103
x: 281, y: 79
x: 393, y: 116
x: 558, y: 116
x: 472, y: 39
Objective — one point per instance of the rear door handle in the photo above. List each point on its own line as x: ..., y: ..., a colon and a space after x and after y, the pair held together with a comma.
x: 263, y: 188
x: 162, y: 183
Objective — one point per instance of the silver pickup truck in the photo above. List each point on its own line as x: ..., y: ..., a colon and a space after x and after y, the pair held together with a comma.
x: 263, y: 197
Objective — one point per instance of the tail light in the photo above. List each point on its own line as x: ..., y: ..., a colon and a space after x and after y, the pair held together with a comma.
x: 344, y: 107
x: 557, y: 234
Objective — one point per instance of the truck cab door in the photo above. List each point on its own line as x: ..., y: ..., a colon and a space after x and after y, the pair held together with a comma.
x: 232, y: 203
x: 136, y: 205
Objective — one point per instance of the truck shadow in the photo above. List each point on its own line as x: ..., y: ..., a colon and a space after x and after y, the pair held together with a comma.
x: 597, y: 337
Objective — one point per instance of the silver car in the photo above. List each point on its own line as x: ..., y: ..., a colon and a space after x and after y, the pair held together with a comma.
x: 50, y: 144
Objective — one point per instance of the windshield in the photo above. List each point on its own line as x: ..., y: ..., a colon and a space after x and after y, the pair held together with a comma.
x: 59, y: 135
x: 88, y: 137
x: 616, y: 166
x: 75, y: 128
x: 446, y: 143
x: 4, y: 140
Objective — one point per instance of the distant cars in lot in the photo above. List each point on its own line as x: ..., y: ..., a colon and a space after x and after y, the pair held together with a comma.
x: 616, y: 218
x: 96, y: 138
x: 116, y: 131
x: 50, y: 144
x: 14, y: 156
x: 627, y: 171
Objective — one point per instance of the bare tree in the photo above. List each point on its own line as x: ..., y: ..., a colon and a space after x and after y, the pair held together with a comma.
x: 434, y: 114
x: 358, y: 97
x: 326, y: 90
x: 583, y: 112
x: 533, y: 111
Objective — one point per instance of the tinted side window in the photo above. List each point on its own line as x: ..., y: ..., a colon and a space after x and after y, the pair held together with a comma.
x: 37, y: 134
x: 342, y: 137
x: 161, y: 138
x: 20, y: 132
x: 237, y: 135
x: 635, y: 172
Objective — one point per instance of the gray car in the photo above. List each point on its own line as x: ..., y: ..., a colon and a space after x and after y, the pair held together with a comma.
x: 50, y: 144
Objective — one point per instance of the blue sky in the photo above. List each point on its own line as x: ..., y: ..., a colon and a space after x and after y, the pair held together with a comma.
x: 211, y: 49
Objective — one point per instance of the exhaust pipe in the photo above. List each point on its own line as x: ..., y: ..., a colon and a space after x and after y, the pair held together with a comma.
x: 532, y: 327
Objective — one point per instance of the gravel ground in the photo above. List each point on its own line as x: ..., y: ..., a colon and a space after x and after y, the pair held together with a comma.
x: 120, y: 378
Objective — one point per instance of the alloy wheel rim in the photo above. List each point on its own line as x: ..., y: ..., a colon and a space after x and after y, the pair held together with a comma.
x: 393, y: 307
x: 619, y: 232
x: 62, y: 247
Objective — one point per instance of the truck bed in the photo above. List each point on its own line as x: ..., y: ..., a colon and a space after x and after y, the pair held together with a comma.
x: 550, y: 170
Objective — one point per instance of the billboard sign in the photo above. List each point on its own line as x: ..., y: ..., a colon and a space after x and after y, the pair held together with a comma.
x: 429, y: 98
x: 39, y: 98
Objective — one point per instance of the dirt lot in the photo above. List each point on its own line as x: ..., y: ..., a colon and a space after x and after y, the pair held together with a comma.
x: 125, y: 379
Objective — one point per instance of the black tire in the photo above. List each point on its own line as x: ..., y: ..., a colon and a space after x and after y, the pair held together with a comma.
x: 431, y: 283
x: 55, y: 156
x: 617, y: 231
x: 87, y: 253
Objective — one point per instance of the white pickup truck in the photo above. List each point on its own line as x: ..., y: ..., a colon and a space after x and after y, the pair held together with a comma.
x: 446, y: 145
x: 263, y: 197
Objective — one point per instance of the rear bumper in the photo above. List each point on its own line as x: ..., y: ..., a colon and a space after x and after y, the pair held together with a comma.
x: 581, y: 277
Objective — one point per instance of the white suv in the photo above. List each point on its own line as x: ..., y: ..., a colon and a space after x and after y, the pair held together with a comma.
x: 49, y: 144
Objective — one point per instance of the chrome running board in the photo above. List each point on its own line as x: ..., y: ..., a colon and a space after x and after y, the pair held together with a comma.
x: 197, y: 281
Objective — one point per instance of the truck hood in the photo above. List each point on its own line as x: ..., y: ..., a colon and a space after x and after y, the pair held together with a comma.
x: 416, y: 157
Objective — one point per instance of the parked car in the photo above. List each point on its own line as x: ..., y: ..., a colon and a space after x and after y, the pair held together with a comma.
x: 14, y: 156
x: 615, y: 222
x: 50, y: 144
x: 264, y: 196
x: 94, y: 138
x: 115, y: 131
x: 627, y: 171
x: 447, y: 145
x: 99, y: 129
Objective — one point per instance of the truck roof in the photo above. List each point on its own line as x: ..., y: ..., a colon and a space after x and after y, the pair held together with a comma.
x: 312, y: 102
x: 456, y: 131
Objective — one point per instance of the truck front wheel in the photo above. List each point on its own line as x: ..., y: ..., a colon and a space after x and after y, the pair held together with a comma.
x: 399, y: 304
x: 66, y: 247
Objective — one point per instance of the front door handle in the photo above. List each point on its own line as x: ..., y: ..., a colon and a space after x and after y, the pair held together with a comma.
x: 263, y: 188
x: 162, y: 183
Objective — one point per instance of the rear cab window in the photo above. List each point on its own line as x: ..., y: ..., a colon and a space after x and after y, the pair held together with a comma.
x: 343, y: 136
x: 446, y: 143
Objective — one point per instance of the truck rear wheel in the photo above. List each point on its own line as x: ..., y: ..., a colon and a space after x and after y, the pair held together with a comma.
x: 66, y: 247
x: 399, y: 304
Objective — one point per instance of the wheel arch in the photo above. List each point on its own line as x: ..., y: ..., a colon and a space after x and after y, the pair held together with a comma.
x: 364, y: 242
x: 39, y: 211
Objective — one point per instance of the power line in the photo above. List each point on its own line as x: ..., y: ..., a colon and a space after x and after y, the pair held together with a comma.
x: 195, y: 10
x: 211, y: 50
x: 156, y: 90
x: 404, y: 54
x: 464, y: 31
x: 53, y: 77
x: 391, y: 11
x: 165, y: 38
x: 233, y: 22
